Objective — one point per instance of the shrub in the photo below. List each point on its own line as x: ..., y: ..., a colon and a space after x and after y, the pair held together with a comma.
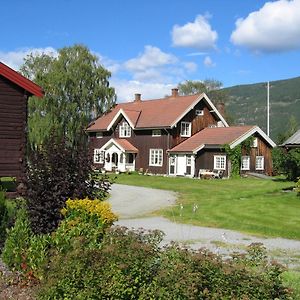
x: 57, y: 172
x: 3, y: 219
x: 131, y: 265
x: 292, y: 164
x: 298, y: 187
x: 88, y: 218
x: 23, y: 251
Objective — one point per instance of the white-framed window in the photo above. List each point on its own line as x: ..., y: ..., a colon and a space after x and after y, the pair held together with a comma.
x: 99, y: 135
x: 199, y: 112
x: 156, y: 132
x: 188, y: 160
x: 156, y: 157
x: 125, y: 130
x: 259, y: 163
x: 99, y: 156
x: 245, y: 163
x: 254, y: 143
x: 186, y: 129
x: 220, y: 162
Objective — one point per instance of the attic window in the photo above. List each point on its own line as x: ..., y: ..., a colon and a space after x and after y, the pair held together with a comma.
x: 125, y: 130
x: 254, y: 143
x: 156, y: 132
x: 199, y: 112
x: 99, y: 135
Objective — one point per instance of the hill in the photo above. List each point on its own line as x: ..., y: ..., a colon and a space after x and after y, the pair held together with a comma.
x: 247, y: 104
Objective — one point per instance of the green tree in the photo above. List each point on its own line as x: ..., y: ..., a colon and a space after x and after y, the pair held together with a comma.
x: 76, y: 90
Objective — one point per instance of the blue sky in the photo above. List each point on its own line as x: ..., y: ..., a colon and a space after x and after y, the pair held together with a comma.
x: 150, y: 46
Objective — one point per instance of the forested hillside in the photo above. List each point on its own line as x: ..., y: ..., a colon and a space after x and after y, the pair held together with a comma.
x: 247, y: 104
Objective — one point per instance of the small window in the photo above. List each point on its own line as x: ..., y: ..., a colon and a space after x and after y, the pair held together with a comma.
x: 199, y: 112
x: 212, y: 126
x: 219, y: 162
x: 188, y: 160
x: 125, y: 130
x: 259, y: 163
x: 156, y: 157
x: 254, y: 143
x: 185, y: 129
x: 156, y: 132
x: 99, y: 135
x: 99, y: 156
x: 245, y: 163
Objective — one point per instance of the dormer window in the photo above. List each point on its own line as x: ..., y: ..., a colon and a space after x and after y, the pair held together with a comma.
x: 125, y: 130
x: 185, y: 129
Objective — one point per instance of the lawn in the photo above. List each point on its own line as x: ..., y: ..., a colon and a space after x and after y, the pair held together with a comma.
x: 249, y: 205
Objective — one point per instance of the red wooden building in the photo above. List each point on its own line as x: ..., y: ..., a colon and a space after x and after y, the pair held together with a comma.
x: 176, y: 135
x: 15, y: 90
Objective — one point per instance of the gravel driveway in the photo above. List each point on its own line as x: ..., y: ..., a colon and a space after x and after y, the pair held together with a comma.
x: 133, y: 204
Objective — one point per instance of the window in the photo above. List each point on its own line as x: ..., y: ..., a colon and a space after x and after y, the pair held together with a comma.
x: 99, y: 156
x: 156, y: 132
x: 254, y: 143
x: 245, y: 163
x: 185, y: 129
x: 219, y: 162
x: 156, y: 157
x: 188, y: 160
x: 129, y: 158
x: 125, y: 130
x: 259, y: 163
x: 199, y: 112
x: 99, y: 135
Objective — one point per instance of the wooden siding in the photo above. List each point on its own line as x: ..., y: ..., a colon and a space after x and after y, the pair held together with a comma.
x: 262, y: 149
x: 13, y: 122
x: 198, y: 122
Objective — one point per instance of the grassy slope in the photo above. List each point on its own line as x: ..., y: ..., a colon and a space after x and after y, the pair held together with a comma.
x: 247, y: 205
x: 248, y: 104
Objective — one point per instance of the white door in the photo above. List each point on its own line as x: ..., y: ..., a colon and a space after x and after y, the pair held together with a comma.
x: 181, y: 165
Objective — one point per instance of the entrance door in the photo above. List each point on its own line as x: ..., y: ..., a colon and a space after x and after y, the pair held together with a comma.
x: 181, y: 165
x: 114, y: 159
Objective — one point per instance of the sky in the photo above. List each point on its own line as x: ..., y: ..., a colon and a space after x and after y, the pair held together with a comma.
x: 152, y: 45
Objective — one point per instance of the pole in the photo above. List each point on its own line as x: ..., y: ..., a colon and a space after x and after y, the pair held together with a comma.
x: 268, y: 108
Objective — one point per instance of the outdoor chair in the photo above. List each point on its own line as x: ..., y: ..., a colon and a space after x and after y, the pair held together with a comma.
x: 218, y: 174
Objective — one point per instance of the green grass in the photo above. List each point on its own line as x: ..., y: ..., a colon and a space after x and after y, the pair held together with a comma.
x: 248, y: 205
x: 292, y: 280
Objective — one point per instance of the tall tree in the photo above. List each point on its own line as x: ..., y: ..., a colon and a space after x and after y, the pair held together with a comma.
x: 211, y: 87
x: 76, y: 89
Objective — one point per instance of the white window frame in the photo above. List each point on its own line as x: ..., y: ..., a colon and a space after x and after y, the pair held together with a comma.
x: 124, y: 130
x: 245, y: 163
x: 188, y: 160
x: 199, y: 112
x: 99, y: 135
x: 219, y: 162
x: 99, y: 156
x: 156, y: 132
x: 156, y: 157
x: 185, y: 129
x: 259, y: 163
x: 254, y: 143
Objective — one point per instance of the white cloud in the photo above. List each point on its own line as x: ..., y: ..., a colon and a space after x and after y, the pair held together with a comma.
x: 151, y: 57
x: 198, y: 35
x: 15, y: 59
x: 273, y: 28
x: 126, y: 89
x: 208, y: 62
x: 190, y: 66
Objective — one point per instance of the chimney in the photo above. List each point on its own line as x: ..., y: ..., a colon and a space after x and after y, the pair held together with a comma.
x: 174, y: 92
x: 221, y: 108
x: 137, y: 98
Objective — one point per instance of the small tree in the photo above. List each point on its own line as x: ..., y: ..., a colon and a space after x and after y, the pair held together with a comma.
x: 55, y: 173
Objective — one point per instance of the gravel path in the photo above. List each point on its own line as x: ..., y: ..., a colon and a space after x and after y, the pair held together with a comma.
x: 133, y: 203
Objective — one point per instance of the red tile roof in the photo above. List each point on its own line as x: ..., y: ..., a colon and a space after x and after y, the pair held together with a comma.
x: 156, y: 113
x: 212, y: 137
x: 20, y: 80
x: 127, y: 146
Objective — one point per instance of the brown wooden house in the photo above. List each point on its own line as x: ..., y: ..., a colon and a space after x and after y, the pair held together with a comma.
x: 14, y: 92
x: 176, y: 135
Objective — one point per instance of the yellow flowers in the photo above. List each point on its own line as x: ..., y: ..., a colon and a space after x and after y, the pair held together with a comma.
x: 96, y: 207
